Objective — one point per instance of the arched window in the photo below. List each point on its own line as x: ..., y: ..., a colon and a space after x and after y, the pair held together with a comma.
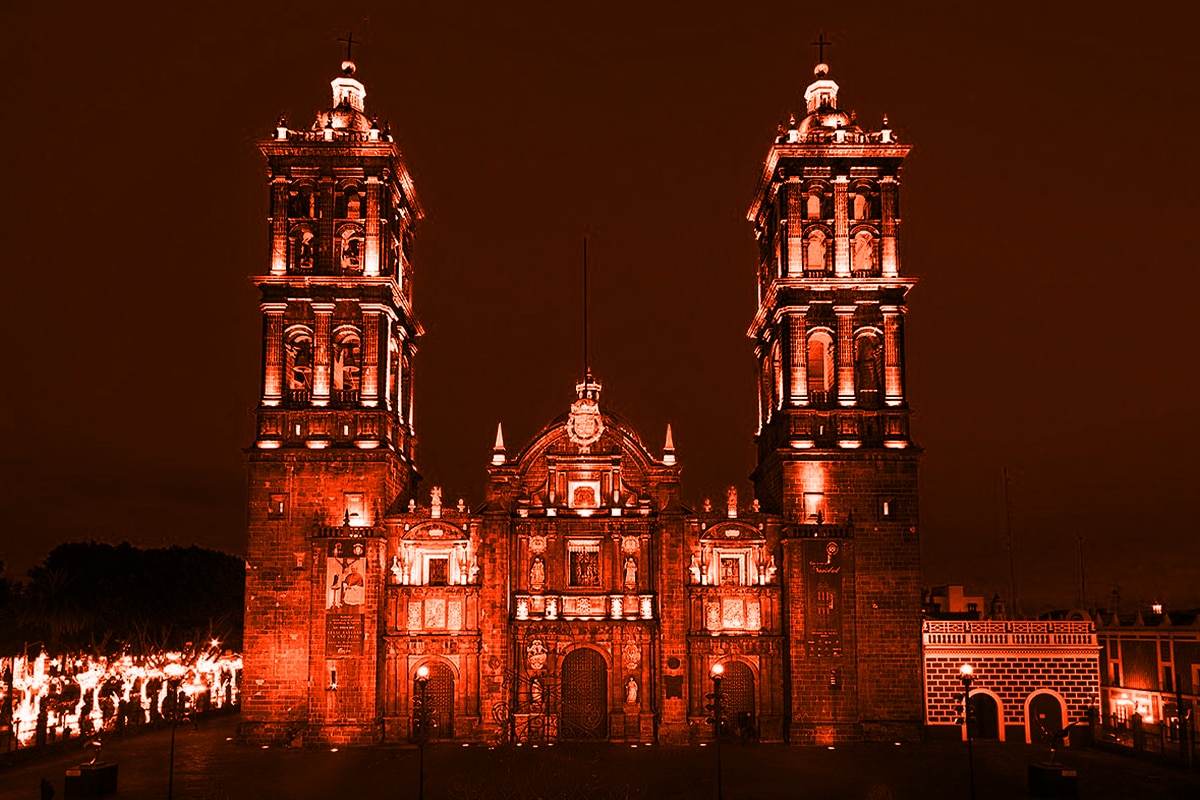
x: 777, y: 368
x: 860, y: 205
x: 350, y: 245
x: 350, y: 204
x: 813, y: 205
x: 346, y: 365
x: 863, y: 253
x: 815, y: 259
x: 820, y: 368
x: 302, y: 203
x: 303, y: 246
x: 298, y: 352
x: 868, y: 369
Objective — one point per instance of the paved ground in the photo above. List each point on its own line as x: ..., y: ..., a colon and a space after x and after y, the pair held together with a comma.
x: 209, y: 766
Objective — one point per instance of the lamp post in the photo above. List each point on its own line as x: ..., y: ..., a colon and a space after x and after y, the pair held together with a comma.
x: 717, y: 673
x: 177, y: 718
x: 421, y: 724
x: 966, y: 672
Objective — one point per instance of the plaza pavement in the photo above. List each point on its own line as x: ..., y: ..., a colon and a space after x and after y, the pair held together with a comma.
x: 209, y: 766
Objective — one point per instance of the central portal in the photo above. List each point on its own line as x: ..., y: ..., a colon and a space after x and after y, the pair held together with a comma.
x: 584, y: 695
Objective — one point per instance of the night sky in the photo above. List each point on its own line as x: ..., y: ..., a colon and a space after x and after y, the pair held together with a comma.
x: 1049, y: 211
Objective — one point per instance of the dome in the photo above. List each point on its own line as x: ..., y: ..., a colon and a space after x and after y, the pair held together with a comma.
x: 827, y: 119
x: 342, y: 117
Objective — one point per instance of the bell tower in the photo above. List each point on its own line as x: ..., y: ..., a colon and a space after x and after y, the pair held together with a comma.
x: 334, y: 444
x: 835, y: 458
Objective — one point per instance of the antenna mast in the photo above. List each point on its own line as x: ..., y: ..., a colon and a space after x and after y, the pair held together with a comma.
x: 587, y: 367
x: 1012, y: 558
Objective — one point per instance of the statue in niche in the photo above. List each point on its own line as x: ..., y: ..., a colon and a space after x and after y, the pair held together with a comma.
x: 731, y: 501
x: 535, y: 692
x: 397, y: 569
x: 435, y: 501
x: 771, y: 569
x: 353, y: 205
x: 864, y: 252
x: 537, y: 574
x: 473, y: 571
x: 631, y: 690
x: 631, y: 572
x: 694, y: 569
x: 462, y: 565
x: 304, y: 255
x: 815, y: 259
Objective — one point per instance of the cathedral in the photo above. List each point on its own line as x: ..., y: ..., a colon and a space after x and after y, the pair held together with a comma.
x: 582, y: 598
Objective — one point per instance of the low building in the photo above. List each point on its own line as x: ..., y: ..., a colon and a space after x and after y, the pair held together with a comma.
x: 1030, y: 678
x: 1150, y: 666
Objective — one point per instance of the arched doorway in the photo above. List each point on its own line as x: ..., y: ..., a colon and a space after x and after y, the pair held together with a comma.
x: 1043, y: 717
x: 984, y: 719
x: 737, y: 690
x: 440, y: 693
x: 584, y: 695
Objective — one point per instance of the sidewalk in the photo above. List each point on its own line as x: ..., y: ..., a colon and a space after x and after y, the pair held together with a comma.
x: 209, y: 766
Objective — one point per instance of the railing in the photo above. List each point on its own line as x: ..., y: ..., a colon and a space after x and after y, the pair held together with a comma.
x: 298, y: 397
x: 602, y: 606
x: 339, y: 135
x: 1004, y: 633
x: 346, y: 397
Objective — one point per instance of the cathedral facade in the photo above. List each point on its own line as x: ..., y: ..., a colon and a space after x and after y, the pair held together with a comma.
x: 582, y: 598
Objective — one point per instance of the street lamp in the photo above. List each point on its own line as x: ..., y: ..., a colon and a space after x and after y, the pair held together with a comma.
x: 421, y: 725
x: 966, y: 673
x: 714, y: 707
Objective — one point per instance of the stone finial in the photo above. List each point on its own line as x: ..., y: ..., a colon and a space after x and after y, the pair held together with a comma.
x: 669, y: 447
x: 499, y: 455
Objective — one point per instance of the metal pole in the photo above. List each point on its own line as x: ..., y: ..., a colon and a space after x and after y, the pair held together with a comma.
x: 1012, y: 556
x: 970, y: 752
x: 717, y: 712
x: 171, y: 770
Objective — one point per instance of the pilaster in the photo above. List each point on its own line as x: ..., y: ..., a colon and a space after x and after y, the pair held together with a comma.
x: 841, y: 227
x: 321, y: 345
x: 273, y: 353
x: 845, y: 354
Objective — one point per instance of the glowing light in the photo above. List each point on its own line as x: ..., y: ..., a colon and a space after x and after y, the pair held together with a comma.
x: 269, y: 444
x: 849, y: 444
x: 966, y: 670
x: 895, y: 444
x: 422, y: 672
x: 1157, y: 608
x: 718, y: 670
x: 316, y: 444
x: 201, y: 679
x: 366, y: 444
x: 801, y: 444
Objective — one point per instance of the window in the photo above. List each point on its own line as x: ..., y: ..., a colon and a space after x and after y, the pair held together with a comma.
x: 584, y: 564
x: 302, y: 242
x: 867, y: 367
x: 731, y: 571
x: 298, y: 354
x: 276, y: 506
x: 439, y: 571
x: 820, y: 367
x: 355, y: 508
x: 862, y: 252
x: 813, y: 206
x: 815, y: 256
x: 346, y: 361
x: 814, y: 505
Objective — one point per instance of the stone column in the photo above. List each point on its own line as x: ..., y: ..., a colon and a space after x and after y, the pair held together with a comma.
x: 407, y: 386
x: 845, y: 354
x: 891, y: 256
x: 369, y: 393
x: 321, y: 347
x: 758, y: 385
x: 795, y: 229
x: 279, y: 225
x: 893, y: 387
x: 797, y: 356
x: 841, y: 227
x: 373, y: 249
x: 273, y: 353
x: 326, y: 205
